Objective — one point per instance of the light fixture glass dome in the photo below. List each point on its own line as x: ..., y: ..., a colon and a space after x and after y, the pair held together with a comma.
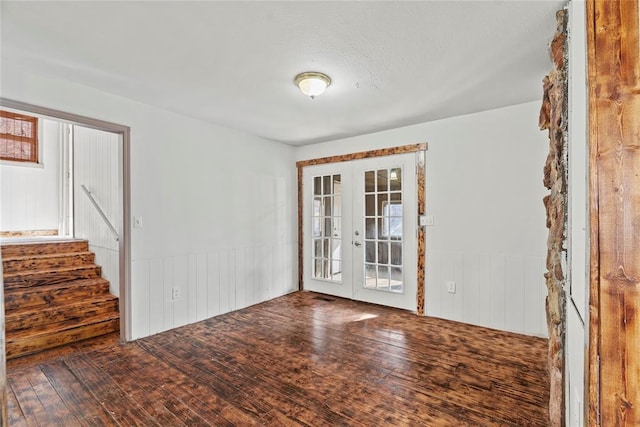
x: 312, y: 83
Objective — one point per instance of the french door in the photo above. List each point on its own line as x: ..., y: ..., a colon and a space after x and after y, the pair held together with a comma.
x: 360, y: 230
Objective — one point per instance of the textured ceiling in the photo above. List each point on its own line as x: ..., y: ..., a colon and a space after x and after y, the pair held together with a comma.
x: 392, y: 63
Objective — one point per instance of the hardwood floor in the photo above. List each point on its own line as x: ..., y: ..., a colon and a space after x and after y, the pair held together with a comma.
x: 302, y: 359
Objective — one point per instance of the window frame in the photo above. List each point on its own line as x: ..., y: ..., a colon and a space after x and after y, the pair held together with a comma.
x: 33, y: 140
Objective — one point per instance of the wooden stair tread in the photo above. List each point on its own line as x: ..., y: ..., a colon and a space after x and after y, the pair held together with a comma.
x: 51, y: 270
x: 25, y: 248
x: 60, y: 305
x: 51, y: 276
x: 57, y: 328
x: 20, y: 298
x: 37, y: 262
x: 17, y: 347
x: 55, y: 286
x: 56, y: 313
x: 43, y: 256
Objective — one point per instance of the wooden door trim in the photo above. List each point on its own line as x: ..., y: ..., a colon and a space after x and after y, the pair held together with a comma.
x: 419, y: 148
x: 591, y: 375
x: 614, y: 212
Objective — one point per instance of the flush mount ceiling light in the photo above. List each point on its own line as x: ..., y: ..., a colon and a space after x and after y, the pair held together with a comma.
x: 312, y: 83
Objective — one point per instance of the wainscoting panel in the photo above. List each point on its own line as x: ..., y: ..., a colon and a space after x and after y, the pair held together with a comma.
x: 471, y: 278
x: 167, y: 287
x: 499, y: 291
x: 497, y: 288
x: 484, y: 297
x: 141, y: 299
x: 226, y: 281
x: 181, y: 282
x: 155, y: 296
x: 213, y: 272
x: 208, y: 284
x: 535, y: 321
x: 515, y: 303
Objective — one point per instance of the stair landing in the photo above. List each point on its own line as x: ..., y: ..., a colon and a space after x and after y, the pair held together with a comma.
x: 54, y: 295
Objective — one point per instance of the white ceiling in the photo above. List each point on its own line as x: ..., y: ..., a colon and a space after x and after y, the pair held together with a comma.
x: 392, y: 63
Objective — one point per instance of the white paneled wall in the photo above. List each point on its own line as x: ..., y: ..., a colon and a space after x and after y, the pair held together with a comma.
x: 30, y: 193
x: 240, y: 231
x: 95, y: 165
x: 495, y: 290
x: 208, y: 284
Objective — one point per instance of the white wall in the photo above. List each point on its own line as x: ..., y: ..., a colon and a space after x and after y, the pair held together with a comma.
x: 484, y: 189
x: 96, y: 161
x: 217, y: 205
x: 30, y: 193
x: 578, y: 277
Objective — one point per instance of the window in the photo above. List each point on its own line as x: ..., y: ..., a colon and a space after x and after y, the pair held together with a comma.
x: 327, y: 232
x: 392, y: 220
x: 18, y: 137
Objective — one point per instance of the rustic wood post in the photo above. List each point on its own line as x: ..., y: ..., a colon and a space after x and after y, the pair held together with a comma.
x: 614, y: 151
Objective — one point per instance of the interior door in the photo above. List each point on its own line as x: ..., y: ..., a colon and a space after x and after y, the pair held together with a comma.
x: 384, y: 222
x: 327, y: 229
x: 359, y: 220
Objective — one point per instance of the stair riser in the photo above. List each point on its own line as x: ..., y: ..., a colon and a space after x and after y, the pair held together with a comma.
x: 21, y: 300
x: 28, y: 280
x: 31, y: 264
x: 59, y: 315
x: 9, y: 251
x: 24, y: 346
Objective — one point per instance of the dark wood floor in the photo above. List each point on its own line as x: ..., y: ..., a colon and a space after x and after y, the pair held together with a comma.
x: 303, y: 359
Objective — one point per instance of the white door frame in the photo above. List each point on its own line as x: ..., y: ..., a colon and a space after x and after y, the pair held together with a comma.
x: 420, y: 150
x: 125, y: 177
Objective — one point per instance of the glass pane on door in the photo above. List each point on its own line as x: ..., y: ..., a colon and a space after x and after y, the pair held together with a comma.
x: 383, y: 237
x: 326, y: 232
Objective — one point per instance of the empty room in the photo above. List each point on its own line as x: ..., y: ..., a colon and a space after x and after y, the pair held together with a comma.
x: 320, y: 213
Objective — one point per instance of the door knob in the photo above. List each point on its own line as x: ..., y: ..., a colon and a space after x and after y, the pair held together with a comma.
x: 358, y: 244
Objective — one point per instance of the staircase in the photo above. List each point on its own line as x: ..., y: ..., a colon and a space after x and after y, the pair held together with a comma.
x: 54, y: 295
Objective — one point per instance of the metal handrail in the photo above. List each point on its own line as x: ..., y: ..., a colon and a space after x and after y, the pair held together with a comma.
x: 100, y: 211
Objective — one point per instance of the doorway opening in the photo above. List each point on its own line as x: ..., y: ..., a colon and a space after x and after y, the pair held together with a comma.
x: 94, y: 192
x: 359, y: 235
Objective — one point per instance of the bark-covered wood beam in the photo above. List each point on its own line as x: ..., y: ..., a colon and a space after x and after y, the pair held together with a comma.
x: 553, y: 117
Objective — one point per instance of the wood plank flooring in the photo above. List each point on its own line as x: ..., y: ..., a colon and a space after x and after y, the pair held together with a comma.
x: 302, y: 359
